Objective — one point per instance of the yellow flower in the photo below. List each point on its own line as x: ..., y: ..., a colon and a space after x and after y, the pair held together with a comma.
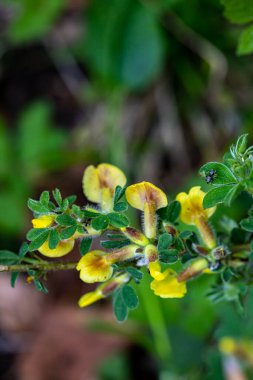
x: 148, y: 198
x: 43, y: 221
x: 166, y: 284
x: 191, y: 206
x: 102, y: 290
x: 193, y: 213
x: 62, y: 249
x: 99, y: 184
x: 95, y: 267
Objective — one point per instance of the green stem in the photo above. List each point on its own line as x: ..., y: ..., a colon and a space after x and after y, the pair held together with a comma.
x: 45, y: 266
x: 157, y: 325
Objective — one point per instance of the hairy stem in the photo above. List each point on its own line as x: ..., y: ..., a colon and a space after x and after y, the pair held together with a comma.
x: 44, y: 266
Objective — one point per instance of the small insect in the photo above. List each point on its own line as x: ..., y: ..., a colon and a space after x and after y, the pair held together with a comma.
x: 210, y: 176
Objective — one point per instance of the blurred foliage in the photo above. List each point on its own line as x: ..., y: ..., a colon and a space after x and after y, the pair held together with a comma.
x: 32, y: 18
x: 171, y: 66
x: 35, y: 149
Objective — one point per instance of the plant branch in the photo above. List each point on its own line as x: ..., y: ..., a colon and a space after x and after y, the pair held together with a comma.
x: 44, y: 266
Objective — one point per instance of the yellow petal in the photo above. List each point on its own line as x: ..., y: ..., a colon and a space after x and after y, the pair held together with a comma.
x: 89, y: 298
x: 43, y: 221
x: 96, y: 180
x: 62, y: 249
x: 91, y: 184
x: 169, y: 287
x: 155, y: 270
x: 192, y: 206
x: 145, y: 192
x: 95, y: 267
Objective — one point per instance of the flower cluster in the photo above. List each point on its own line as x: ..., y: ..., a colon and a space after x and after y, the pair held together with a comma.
x: 102, y: 185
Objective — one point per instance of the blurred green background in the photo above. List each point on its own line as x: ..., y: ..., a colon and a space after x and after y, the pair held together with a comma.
x: 155, y: 87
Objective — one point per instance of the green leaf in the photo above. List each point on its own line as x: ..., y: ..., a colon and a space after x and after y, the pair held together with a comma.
x: 223, y: 174
x: 90, y: 214
x: 85, y: 245
x: 245, y: 44
x: 64, y: 205
x: 14, y: 277
x: 8, y: 257
x: 34, y: 233
x: 71, y: 199
x: 242, y: 141
x: 130, y: 297
x: 111, y: 244
x: 124, y: 45
x: 36, y: 206
x: 33, y: 19
x: 120, y: 206
x: 100, y: 222
x: 40, y: 239
x: 168, y: 256
x: 232, y: 194
x: 36, y: 157
x: 66, y: 233
x: 57, y: 196
x: 118, y: 220
x: 135, y: 273
x: 44, y: 198
x: 65, y: 220
x: 54, y: 239
x: 171, y: 212
x: 24, y: 249
x: 118, y: 194
x: 238, y: 11
x: 216, y: 195
x: 247, y: 224
x: 40, y: 286
x: 165, y: 241
x: 119, y: 307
